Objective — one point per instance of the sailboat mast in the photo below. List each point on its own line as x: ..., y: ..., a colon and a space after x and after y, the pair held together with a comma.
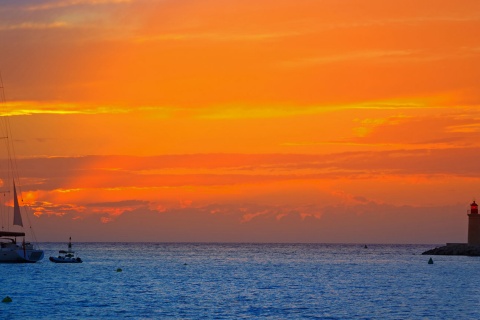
x: 6, y: 163
x: 11, y: 172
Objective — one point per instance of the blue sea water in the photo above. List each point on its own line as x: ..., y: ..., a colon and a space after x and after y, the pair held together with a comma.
x: 243, y: 281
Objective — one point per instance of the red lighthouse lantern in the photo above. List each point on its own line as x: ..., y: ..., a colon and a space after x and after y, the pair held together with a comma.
x: 473, y: 208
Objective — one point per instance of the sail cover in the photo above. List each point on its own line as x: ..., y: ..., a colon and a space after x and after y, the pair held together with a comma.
x: 17, y: 217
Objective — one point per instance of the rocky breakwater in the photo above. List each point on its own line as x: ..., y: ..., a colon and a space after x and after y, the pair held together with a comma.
x: 455, y: 249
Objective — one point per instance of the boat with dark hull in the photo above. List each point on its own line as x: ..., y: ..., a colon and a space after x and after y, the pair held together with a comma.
x: 66, y: 256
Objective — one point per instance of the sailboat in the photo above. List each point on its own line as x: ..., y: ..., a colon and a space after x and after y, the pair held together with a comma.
x: 10, y: 249
x: 13, y: 246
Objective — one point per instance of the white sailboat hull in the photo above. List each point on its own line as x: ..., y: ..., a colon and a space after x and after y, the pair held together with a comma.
x: 18, y: 255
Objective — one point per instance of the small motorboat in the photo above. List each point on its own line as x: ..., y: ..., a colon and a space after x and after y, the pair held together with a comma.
x: 67, y: 256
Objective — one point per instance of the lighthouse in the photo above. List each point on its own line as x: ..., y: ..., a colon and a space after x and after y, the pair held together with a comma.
x: 472, y: 248
x: 474, y: 225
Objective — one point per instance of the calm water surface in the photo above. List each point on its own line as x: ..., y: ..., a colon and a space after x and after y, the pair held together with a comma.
x: 249, y: 281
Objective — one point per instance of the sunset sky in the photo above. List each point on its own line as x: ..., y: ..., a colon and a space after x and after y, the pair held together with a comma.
x: 245, y: 121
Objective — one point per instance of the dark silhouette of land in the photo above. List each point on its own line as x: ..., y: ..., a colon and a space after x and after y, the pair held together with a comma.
x: 455, y: 249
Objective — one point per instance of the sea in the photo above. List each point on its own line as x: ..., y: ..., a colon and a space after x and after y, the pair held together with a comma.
x: 243, y: 281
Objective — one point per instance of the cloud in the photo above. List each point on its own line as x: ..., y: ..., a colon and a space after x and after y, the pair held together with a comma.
x: 34, y: 26
x: 80, y: 174
x: 262, y: 186
x: 377, y: 56
x: 465, y: 128
x: 454, y: 128
x: 40, y: 208
x: 352, y: 201
x: 71, y: 3
x: 364, y: 223
x: 119, y: 204
x: 19, y: 108
x: 215, y: 37
x: 409, y: 128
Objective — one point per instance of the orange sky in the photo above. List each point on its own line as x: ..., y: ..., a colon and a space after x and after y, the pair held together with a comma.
x: 238, y: 120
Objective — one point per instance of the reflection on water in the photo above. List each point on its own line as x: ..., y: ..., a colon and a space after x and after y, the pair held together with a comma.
x: 231, y: 281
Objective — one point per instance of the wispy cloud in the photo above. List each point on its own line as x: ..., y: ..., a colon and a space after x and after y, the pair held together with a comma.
x: 352, y: 56
x: 120, y: 204
x: 232, y: 36
x: 56, y: 209
x: 373, y: 56
x: 467, y: 128
x: 17, y: 108
x: 71, y: 3
x: 137, y: 175
x: 285, y: 110
x: 34, y: 26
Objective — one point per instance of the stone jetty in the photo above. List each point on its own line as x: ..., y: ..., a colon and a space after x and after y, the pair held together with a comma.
x: 455, y: 249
